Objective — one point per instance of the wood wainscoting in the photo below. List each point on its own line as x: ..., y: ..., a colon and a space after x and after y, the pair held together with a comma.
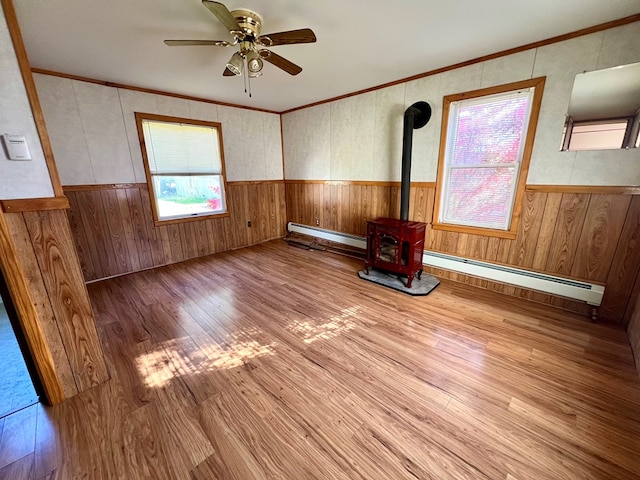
x: 60, y: 322
x: 114, y: 231
x: 584, y: 233
x: 633, y: 329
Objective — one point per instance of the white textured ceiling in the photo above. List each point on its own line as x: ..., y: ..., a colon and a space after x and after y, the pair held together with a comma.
x: 361, y: 43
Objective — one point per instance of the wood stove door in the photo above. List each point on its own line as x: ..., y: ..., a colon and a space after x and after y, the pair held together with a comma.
x: 387, y: 248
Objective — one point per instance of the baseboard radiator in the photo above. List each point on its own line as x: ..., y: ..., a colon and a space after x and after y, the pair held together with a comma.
x: 587, y: 292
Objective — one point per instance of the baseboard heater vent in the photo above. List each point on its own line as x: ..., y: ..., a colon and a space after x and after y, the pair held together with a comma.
x: 330, y: 235
x: 564, y: 287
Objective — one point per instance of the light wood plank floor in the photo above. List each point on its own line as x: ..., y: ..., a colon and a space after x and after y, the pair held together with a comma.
x: 273, y: 362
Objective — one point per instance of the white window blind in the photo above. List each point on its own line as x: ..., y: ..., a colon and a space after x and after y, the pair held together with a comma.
x: 182, y: 148
x: 185, y: 167
x: 483, y: 155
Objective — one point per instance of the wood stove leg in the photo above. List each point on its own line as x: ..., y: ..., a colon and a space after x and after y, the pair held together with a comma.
x: 409, y: 280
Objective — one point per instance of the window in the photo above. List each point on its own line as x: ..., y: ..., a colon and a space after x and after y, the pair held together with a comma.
x: 485, y: 149
x: 184, y: 164
x: 600, y: 134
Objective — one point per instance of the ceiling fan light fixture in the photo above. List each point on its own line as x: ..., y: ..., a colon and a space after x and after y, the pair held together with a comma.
x: 235, y: 63
x: 254, y: 63
x: 246, y: 26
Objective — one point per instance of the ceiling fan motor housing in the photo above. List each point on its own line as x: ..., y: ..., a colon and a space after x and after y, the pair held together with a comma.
x: 249, y: 22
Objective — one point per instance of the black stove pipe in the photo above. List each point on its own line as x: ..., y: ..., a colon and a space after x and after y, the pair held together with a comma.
x: 416, y: 116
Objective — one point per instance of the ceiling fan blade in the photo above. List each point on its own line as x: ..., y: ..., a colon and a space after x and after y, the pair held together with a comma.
x: 291, y: 37
x: 181, y: 43
x: 280, y: 62
x: 228, y: 73
x: 223, y: 14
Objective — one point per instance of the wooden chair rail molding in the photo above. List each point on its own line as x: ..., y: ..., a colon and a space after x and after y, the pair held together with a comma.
x: 28, y: 316
x: 256, y: 182
x: 101, y: 186
x: 361, y: 183
x: 118, y: 186
x: 34, y: 204
x: 598, y: 189
x: 593, y: 189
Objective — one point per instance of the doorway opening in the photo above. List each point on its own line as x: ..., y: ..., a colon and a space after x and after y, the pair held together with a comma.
x: 19, y: 383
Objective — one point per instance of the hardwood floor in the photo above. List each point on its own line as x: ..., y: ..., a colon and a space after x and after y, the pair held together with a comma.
x: 273, y: 362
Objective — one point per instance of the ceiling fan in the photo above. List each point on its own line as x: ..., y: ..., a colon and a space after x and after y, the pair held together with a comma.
x: 245, y: 26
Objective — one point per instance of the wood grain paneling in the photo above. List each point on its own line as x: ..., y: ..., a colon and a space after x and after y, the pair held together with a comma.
x: 53, y: 304
x: 587, y: 236
x: 13, y: 272
x: 600, y: 233
x: 53, y: 245
x: 624, y: 266
x: 523, y: 249
x: 42, y: 304
x: 566, y: 234
x: 633, y: 327
x: 114, y: 231
x: 547, y: 227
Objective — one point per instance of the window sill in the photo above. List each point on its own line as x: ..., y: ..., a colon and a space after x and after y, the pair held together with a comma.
x: 191, y: 218
x: 487, y: 232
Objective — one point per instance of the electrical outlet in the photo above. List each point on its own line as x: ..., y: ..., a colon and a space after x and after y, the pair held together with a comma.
x: 248, y: 223
x: 317, y: 222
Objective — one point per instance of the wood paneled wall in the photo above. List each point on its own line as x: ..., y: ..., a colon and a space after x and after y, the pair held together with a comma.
x: 114, y: 231
x: 634, y: 332
x: 45, y: 250
x: 632, y: 319
x: 577, y: 234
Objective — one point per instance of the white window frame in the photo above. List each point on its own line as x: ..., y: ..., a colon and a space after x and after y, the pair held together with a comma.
x: 452, y: 103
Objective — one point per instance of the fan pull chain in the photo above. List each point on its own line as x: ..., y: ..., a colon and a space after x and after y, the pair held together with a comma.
x: 247, y: 77
x: 244, y: 75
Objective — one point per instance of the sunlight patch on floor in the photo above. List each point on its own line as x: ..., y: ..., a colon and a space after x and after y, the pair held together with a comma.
x: 321, y: 329
x: 169, y: 361
x: 180, y: 357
